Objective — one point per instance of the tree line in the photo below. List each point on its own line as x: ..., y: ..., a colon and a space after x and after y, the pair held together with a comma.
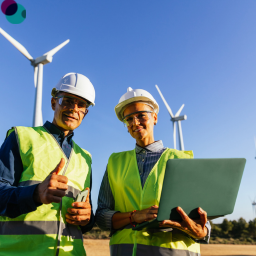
x: 228, y: 232
x: 235, y: 231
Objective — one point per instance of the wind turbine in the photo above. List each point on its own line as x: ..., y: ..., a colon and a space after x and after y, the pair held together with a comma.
x: 175, y: 118
x: 38, y: 73
x: 253, y: 206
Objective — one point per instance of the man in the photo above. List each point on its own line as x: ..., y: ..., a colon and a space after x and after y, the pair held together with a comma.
x: 42, y: 170
x: 131, y: 189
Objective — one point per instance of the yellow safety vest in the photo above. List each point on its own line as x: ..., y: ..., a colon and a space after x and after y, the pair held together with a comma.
x: 45, y: 231
x: 128, y: 194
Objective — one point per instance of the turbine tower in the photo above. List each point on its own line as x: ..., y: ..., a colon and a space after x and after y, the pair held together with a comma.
x: 38, y: 64
x: 175, y: 118
x: 254, y: 207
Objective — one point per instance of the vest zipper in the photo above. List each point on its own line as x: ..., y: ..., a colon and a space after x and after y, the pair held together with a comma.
x: 142, y: 192
x: 65, y: 169
x: 60, y: 223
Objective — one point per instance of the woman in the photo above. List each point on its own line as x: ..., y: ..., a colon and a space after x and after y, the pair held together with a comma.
x: 131, y: 189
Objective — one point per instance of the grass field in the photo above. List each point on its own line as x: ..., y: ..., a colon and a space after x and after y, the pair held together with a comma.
x: 99, y: 247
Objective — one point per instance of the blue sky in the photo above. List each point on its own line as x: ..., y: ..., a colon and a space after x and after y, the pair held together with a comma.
x: 200, y: 53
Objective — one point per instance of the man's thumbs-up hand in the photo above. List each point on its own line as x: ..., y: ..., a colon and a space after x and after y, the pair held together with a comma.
x: 53, y: 188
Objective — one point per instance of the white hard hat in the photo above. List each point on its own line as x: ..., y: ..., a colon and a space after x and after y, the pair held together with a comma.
x: 76, y: 84
x: 134, y: 96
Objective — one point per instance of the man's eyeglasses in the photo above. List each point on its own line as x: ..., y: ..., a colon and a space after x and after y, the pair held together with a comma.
x: 141, y: 116
x: 69, y: 101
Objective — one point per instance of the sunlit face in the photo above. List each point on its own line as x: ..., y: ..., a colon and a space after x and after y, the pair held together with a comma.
x: 140, y: 130
x: 67, y: 118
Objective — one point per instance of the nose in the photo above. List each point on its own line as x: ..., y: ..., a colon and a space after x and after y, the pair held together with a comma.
x: 135, y: 120
x: 74, y: 106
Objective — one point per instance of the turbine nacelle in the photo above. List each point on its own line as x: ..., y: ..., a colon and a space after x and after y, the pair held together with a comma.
x: 178, y: 118
x: 43, y: 59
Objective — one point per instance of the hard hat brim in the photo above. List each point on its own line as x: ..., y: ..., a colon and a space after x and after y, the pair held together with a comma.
x: 73, y: 92
x: 120, y: 107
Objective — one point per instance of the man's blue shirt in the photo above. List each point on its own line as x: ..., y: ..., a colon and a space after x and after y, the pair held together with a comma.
x: 19, y: 200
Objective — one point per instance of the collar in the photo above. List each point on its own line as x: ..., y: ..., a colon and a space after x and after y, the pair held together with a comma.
x: 54, y: 130
x: 153, y: 147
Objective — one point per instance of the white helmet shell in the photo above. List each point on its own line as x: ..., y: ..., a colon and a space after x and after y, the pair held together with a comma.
x: 134, y: 96
x: 76, y: 84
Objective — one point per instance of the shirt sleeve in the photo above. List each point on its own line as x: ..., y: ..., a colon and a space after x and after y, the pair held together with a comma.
x: 14, y: 200
x: 106, y: 205
x: 206, y: 239
x: 90, y: 225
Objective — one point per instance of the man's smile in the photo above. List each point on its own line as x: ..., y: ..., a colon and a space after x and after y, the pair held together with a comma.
x: 69, y: 116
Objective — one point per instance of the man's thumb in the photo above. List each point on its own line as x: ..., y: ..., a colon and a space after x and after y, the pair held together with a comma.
x: 59, y: 167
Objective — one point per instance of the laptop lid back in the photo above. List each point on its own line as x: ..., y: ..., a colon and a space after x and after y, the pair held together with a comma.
x: 211, y: 184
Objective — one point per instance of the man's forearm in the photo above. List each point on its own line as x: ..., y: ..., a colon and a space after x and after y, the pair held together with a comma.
x: 16, y: 201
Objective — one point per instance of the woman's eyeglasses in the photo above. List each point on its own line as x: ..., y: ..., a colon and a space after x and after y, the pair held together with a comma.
x: 141, y: 116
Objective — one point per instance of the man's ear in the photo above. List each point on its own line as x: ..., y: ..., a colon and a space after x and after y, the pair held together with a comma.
x: 155, y: 118
x: 86, y: 112
x: 53, y: 103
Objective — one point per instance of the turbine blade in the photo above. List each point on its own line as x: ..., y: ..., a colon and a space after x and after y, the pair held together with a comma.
x: 57, y: 48
x: 174, y: 135
x: 16, y: 44
x: 255, y: 141
x: 181, y: 136
x: 35, y: 75
x: 167, y: 106
x: 178, y: 113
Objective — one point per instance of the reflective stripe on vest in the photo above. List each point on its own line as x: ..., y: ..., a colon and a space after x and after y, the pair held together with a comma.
x: 38, y: 228
x: 144, y: 250
x: 46, y: 227
x: 128, y: 194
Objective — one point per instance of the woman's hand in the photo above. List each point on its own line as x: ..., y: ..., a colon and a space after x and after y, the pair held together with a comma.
x: 194, y: 228
x: 122, y: 219
x: 145, y: 215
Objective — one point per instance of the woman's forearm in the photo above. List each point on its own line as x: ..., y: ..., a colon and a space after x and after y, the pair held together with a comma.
x: 120, y: 219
